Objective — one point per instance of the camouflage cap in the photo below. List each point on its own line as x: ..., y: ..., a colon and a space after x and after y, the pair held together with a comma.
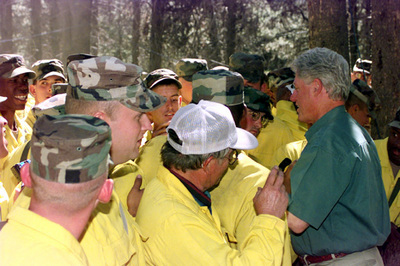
x: 59, y: 88
x: 251, y: 66
x: 159, y: 75
x: 47, y: 68
x: 107, y: 78
x: 80, y: 56
x: 54, y: 105
x: 12, y: 65
x: 70, y: 148
x: 367, y: 95
x: 396, y: 121
x: 279, y: 77
x: 221, y: 86
x: 258, y: 101
x: 186, y: 67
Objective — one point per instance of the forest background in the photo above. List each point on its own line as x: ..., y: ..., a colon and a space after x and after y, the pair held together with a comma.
x: 157, y: 33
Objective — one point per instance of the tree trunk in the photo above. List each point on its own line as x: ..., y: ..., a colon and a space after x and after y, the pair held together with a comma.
x: 81, y: 13
x: 214, y: 47
x: 353, y: 35
x: 156, y: 35
x: 6, y: 27
x: 94, y: 35
x: 385, y: 58
x: 136, y: 4
x: 36, y: 29
x: 328, y: 25
x: 231, y: 21
x: 56, y: 27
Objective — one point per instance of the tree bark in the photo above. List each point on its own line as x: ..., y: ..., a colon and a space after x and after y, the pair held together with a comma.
x: 385, y: 58
x: 156, y: 35
x: 56, y: 28
x: 328, y: 25
x: 353, y: 34
x: 6, y: 27
x: 136, y: 4
x: 36, y: 29
x: 231, y: 21
x: 81, y: 13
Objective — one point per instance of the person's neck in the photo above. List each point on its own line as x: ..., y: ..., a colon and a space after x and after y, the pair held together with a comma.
x: 194, y: 176
x: 10, y: 117
x: 75, y: 223
x: 326, y: 108
x: 395, y: 169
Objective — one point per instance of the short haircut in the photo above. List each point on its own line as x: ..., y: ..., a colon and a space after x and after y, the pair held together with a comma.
x: 329, y: 67
x: 75, y: 106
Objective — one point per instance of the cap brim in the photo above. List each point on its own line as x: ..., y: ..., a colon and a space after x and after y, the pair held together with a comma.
x: 395, y: 123
x: 245, y: 140
x: 54, y: 73
x: 356, y: 69
x: 149, y: 101
x: 22, y: 70
x: 158, y: 81
x: 2, y: 99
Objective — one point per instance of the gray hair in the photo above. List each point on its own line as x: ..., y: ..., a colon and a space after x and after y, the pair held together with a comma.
x: 328, y: 66
x: 183, y: 162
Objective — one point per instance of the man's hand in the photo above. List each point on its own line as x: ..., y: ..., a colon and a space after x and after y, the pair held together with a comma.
x: 134, y: 196
x: 272, y: 198
x: 286, y: 181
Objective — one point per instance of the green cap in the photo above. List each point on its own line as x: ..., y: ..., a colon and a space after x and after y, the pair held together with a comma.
x: 258, y: 101
x: 396, y: 122
x: 221, y: 86
x: 70, y: 148
x: 107, y: 78
x: 187, y: 67
x: 47, y: 68
x: 251, y: 66
x: 367, y: 95
x: 54, y: 105
x: 12, y: 65
x: 159, y: 75
x: 279, y: 77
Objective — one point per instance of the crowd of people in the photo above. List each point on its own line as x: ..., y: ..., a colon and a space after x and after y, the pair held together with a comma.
x: 104, y: 164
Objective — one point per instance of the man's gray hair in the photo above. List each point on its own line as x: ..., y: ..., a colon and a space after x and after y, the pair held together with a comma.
x: 328, y: 66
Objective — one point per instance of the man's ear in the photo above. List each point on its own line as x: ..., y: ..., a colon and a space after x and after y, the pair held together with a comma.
x: 264, y: 87
x: 101, y: 115
x: 26, y: 175
x: 318, y: 86
x: 32, y: 90
x: 106, y: 191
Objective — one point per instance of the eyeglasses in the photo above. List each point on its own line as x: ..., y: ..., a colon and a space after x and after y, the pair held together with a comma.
x: 257, y: 115
x: 232, y: 157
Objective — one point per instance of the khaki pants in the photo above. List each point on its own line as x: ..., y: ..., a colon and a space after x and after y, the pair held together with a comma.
x: 369, y: 257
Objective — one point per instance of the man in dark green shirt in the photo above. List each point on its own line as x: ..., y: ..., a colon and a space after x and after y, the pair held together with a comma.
x: 338, y: 211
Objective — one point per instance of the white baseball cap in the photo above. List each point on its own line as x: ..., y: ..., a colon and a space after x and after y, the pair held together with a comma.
x: 208, y: 127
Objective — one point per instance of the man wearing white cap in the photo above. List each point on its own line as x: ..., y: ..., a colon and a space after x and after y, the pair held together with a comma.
x: 14, y: 85
x: 176, y: 211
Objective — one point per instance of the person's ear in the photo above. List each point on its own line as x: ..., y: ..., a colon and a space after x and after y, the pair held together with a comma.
x: 318, y: 86
x: 263, y: 87
x: 101, y: 115
x: 106, y: 191
x: 150, y: 117
x: 26, y: 175
x: 32, y: 90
